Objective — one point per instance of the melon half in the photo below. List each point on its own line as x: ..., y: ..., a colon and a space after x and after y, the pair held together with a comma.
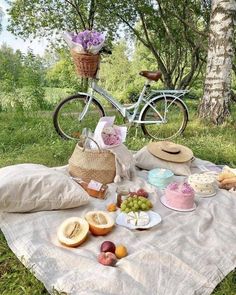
x: 100, y: 222
x: 73, y: 231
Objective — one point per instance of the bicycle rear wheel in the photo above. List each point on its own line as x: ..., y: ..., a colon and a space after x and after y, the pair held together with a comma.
x: 66, y: 116
x: 175, y: 121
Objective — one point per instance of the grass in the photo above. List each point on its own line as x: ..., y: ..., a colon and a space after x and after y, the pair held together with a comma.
x: 30, y: 137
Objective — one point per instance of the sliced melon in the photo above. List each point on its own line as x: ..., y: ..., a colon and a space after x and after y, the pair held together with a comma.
x: 73, y: 231
x: 100, y: 222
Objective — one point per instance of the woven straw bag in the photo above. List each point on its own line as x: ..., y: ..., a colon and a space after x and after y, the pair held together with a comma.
x: 89, y: 164
x: 86, y: 65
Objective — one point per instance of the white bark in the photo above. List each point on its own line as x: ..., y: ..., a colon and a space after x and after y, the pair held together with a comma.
x: 216, y: 97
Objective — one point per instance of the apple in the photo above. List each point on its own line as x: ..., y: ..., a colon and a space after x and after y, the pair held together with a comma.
x: 107, y: 258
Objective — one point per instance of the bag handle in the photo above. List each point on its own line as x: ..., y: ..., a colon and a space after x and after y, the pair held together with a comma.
x: 87, y: 137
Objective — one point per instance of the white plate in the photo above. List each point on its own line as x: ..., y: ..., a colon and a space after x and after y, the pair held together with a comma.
x: 155, y: 219
x: 204, y: 195
x: 163, y: 201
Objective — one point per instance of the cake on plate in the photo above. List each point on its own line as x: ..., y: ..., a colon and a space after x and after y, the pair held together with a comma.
x: 179, y: 196
x: 160, y: 177
x: 203, y: 184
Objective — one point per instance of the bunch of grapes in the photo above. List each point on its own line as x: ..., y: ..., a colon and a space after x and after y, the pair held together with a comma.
x: 135, y: 203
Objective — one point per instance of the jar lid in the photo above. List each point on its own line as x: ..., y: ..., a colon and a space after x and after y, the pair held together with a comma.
x: 122, y: 190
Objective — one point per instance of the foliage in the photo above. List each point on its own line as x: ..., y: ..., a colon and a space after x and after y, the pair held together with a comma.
x: 58, y: 16
x: 62, y: 72
x: 163, y: 27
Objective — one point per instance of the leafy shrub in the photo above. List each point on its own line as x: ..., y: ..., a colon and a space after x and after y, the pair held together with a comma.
x: 26, y: 98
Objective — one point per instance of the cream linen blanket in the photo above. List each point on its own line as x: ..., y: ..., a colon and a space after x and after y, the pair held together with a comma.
x: 188, y: 253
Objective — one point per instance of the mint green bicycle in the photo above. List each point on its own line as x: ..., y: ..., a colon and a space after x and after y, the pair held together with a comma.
x: 162, y: 114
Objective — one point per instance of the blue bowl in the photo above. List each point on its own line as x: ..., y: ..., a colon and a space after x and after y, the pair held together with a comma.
x: 160, y: 177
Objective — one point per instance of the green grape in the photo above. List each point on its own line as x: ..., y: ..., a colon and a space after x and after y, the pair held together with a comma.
x: 129, y: 199
x: 144, y: 206
x: 136, y: 206
x: 123, y: 207
x: 139, y: 203
x: 127, y: 210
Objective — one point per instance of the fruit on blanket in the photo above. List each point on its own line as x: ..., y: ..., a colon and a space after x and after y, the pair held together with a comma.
x: 121, y: 251
x: 142, y: 192
x: 100, y: 222
x: 107, y: 258
x: 108, y: 246
x: 111, y: 207
x: 73, y: 231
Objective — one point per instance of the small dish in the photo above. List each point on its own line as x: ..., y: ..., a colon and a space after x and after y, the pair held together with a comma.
x: 205, y: 195
x: 163, y: 201
x: 155, y: 219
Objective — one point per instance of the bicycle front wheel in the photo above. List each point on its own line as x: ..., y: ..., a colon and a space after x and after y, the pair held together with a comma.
x: 171, y: 118
x: 66, y: 117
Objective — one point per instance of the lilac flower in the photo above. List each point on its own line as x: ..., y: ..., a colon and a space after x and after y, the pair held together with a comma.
x: 88, y: 39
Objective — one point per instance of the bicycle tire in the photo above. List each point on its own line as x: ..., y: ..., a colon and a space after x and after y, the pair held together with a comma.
x: 57, y: 122
x: 165, y: 135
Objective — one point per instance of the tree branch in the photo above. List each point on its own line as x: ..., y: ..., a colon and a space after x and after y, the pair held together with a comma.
x: 164, y: 23
x: 92, y: 10
x: 76, y: 7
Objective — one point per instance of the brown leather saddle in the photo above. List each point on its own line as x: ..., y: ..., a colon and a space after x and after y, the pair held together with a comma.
x: 150, y: 75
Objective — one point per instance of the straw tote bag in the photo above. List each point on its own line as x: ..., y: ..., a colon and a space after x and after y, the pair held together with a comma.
x: 89, y: 164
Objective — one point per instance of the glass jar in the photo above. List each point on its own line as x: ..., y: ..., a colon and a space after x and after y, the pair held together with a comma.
x: 121, y: 194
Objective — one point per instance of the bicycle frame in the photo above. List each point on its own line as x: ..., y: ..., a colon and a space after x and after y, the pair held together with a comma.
x: 147, y: 99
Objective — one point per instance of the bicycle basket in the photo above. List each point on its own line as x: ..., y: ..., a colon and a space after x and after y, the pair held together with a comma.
x: 86, y: 64
x: 89, y: 164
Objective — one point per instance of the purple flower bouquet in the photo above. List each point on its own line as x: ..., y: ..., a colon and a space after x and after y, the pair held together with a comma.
x: 85, y: 42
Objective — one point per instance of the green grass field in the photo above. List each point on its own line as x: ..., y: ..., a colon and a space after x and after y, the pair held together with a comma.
x: 30, y: 138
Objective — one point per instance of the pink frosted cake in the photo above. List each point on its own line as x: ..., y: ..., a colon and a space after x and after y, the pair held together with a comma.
x: 179, y: 196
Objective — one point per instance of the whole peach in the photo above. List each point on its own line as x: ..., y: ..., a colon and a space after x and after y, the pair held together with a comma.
x: 107, y: 258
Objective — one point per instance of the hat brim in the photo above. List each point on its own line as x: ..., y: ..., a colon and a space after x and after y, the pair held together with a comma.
x: 156, y: 149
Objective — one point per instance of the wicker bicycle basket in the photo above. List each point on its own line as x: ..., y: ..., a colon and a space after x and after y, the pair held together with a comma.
x: 86, y: 64
x: 89, y: 164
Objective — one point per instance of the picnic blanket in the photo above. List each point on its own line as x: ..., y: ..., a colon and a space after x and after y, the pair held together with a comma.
x: 187, y: 253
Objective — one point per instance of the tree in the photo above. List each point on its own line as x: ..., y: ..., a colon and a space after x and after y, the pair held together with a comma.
x: 217, y: 89
x: 173, y: 31
x: 163, y: 27
x: 45, y: 18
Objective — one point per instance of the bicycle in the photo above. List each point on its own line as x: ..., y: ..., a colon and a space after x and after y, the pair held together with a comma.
x: 162, y: 114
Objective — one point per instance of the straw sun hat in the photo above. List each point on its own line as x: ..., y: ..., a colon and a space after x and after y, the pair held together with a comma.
x: 170, y: 151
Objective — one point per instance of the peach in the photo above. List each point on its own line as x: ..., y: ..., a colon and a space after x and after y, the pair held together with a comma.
x: 108, y: 246
x: 111, y: 207
x: 107, y: 258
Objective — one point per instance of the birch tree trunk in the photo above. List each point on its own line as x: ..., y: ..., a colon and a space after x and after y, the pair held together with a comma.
x: 215, y: 101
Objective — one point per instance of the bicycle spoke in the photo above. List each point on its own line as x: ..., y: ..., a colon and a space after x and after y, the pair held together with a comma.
x: 68, y: 123
x: 171, y: 121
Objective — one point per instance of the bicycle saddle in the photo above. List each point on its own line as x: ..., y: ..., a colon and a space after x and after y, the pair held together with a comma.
x: 154, y: 76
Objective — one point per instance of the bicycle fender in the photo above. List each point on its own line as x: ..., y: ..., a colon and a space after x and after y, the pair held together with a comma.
x: 157, y: 98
